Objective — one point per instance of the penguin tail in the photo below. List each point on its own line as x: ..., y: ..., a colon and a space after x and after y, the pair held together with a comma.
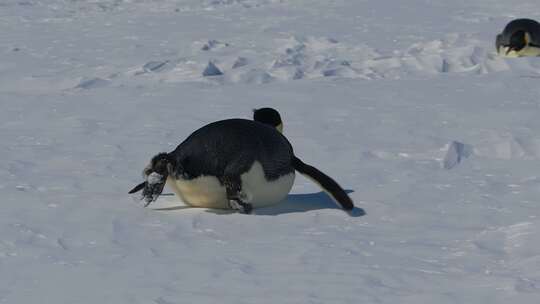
x: 329, y: 185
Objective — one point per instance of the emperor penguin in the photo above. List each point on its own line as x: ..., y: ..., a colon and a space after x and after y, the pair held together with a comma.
x: 234, y: 164
x: 520, y: 37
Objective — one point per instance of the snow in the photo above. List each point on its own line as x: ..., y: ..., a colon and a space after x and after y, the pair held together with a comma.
x: 404, y: 103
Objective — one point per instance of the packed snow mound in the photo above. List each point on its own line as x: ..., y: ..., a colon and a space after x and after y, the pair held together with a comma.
x: 296, y: 57
x: 509, y: 241
x: 508, y: 146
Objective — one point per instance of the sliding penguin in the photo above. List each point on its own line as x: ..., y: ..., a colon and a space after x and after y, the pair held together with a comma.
x: 520, y: 37
x: 232, y: 164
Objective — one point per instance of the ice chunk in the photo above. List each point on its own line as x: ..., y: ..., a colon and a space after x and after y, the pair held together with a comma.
x: 211, y: 70
x: 456, y: 153
x: 240, y: 62
x: 213, y: 44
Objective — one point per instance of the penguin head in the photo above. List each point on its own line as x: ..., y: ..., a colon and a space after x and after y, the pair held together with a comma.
x: 516, y: 38
x: 268, y: 116
x: 518, y: 41
x: 155, y: 175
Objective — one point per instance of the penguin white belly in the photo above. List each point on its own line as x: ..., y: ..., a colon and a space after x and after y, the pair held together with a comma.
x: 203, y: 191
x: 208, y: 192
x: 529, y: 51
x: 261, y: 192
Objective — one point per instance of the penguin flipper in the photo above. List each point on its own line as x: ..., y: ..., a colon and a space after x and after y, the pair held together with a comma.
x: 326, y: 182
x: 137, y: 188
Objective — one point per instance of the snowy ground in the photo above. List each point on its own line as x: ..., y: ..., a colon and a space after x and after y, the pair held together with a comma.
x: 403, y: 102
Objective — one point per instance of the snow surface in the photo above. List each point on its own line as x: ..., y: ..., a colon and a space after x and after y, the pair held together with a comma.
x: 403, y: 102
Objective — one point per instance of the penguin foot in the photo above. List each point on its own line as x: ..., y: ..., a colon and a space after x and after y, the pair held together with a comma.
x: 240, y: 206
x: 237, y: 198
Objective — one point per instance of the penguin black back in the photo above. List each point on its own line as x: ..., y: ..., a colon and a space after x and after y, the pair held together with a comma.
x: 214, y: 147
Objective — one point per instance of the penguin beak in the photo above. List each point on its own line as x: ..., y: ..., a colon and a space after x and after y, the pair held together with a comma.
x: 527, y: 38
x: 280, y: 128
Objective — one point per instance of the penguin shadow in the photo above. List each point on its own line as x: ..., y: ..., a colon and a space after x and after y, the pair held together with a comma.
x: 300, y: 203
x: 294, y: 203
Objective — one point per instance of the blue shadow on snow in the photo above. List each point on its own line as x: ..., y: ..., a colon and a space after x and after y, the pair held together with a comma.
x: 294, y: 203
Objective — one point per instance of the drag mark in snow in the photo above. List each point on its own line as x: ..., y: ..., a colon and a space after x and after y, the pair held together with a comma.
x: 62, y: 244
x: 160, y: 300
x: 244, y: 267
x: 92, y: 83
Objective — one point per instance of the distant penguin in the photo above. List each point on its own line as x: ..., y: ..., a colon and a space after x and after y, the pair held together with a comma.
x: 268, y: 116
x: 520, y: 38
x: 234, y: 164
